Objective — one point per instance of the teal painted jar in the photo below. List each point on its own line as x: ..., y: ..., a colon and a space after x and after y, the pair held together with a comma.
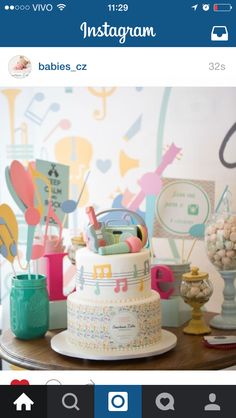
x: 29, y: 306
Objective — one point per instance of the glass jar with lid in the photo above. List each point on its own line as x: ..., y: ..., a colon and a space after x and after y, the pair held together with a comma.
x: 196, y: 289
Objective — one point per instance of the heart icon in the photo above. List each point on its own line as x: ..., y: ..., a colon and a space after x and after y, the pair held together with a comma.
x: 103, y: 165
x: 22, y: 382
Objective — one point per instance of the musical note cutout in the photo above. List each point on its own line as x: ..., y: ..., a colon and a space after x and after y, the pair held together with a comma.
x: 101, y: 271
x: 69, y: 206
x: 64, y: 124
x: 81, y: 277
x: 8, y: 233
x: 32, y: 110
x: 134, y: 129
x: 97, y: 289
x: 102, y: 94
x: 118, y: 287
x: 11, y: 95
x: 146, y: 267
x: 141, y: 285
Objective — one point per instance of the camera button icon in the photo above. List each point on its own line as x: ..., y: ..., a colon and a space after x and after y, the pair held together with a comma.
x: 117, y: 401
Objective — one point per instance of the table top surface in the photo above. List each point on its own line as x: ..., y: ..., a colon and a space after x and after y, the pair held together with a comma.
x: 189, y: 354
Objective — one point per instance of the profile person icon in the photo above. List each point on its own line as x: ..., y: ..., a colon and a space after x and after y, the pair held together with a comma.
x: 212, y: 406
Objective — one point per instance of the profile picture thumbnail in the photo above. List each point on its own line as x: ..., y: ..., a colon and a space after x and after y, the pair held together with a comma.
x: 19, y: 66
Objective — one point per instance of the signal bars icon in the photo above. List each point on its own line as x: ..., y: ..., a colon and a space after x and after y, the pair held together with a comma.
x: 61, y: 6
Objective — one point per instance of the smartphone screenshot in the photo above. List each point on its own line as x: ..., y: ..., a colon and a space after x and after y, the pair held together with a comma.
x: 117, y: 208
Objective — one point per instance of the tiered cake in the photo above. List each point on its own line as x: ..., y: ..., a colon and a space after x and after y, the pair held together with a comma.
x: 113, y: 308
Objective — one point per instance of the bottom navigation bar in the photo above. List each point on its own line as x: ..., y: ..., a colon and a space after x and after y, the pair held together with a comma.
x: 94, y: 401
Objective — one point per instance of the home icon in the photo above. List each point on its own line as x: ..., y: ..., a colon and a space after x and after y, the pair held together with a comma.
x: 23, y: 403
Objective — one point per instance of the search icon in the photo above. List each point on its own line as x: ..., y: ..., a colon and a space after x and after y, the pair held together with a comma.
x: 69, y: 405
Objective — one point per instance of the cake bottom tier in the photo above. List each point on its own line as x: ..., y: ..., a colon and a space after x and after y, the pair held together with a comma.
x: 121, y: 326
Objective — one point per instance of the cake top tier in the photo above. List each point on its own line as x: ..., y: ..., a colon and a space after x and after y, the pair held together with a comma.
x: 113, y: 277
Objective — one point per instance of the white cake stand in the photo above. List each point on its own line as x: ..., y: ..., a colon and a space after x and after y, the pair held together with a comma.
x: 60, y: 344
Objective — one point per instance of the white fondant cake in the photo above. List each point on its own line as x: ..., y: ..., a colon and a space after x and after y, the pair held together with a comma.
x: 113, y: 307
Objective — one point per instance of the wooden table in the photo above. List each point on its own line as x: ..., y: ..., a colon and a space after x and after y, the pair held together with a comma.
x: 189, y: 354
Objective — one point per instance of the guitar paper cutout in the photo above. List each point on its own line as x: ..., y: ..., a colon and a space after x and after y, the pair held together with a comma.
x: 8, y: 233
x: 151, y: 183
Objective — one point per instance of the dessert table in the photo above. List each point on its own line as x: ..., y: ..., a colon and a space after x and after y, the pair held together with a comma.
x: 189, y: 354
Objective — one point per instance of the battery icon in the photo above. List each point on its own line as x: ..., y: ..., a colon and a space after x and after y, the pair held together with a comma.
x: 222, y: 7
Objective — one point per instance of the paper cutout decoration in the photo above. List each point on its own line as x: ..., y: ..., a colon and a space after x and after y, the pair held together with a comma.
x: 58, y: 177
x: 21, y: 182
x: 69, y: 206
x: 197, y: 231
x: 181, y: 205
x: 8, y: 233
x: 151, y: 183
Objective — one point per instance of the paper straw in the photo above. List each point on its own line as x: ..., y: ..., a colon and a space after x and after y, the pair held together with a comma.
x: 221, y: 199
x: 191, y: 249
x: 13, y: 269
x: 182, y: 252
x: 37, y: 269
x: 29, y: 275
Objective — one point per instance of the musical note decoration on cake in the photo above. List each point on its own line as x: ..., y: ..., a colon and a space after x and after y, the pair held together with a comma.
x: 101, y: 271
x: 97, y: 289
x: 135, y: 272
x: 121, y: 284
x: 146, y: 267
x: 141, y: 285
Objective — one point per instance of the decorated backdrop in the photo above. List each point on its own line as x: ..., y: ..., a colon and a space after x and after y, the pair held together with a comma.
x: 119, y: 134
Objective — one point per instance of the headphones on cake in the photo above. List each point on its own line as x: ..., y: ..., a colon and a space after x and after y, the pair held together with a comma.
x: 108, y: 238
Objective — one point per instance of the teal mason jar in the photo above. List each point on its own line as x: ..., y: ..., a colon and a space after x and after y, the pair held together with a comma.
x: 29, y: 306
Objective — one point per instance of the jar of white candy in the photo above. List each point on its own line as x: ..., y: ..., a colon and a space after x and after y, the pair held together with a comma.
x: 220, y: 238
x: 196, y: 289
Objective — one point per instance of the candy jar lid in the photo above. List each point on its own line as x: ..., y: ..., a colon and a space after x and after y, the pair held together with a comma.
x: 195, y: 275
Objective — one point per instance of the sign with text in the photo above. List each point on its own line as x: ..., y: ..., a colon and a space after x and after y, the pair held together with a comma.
x: 58, y: 175
x: 180, y: 205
